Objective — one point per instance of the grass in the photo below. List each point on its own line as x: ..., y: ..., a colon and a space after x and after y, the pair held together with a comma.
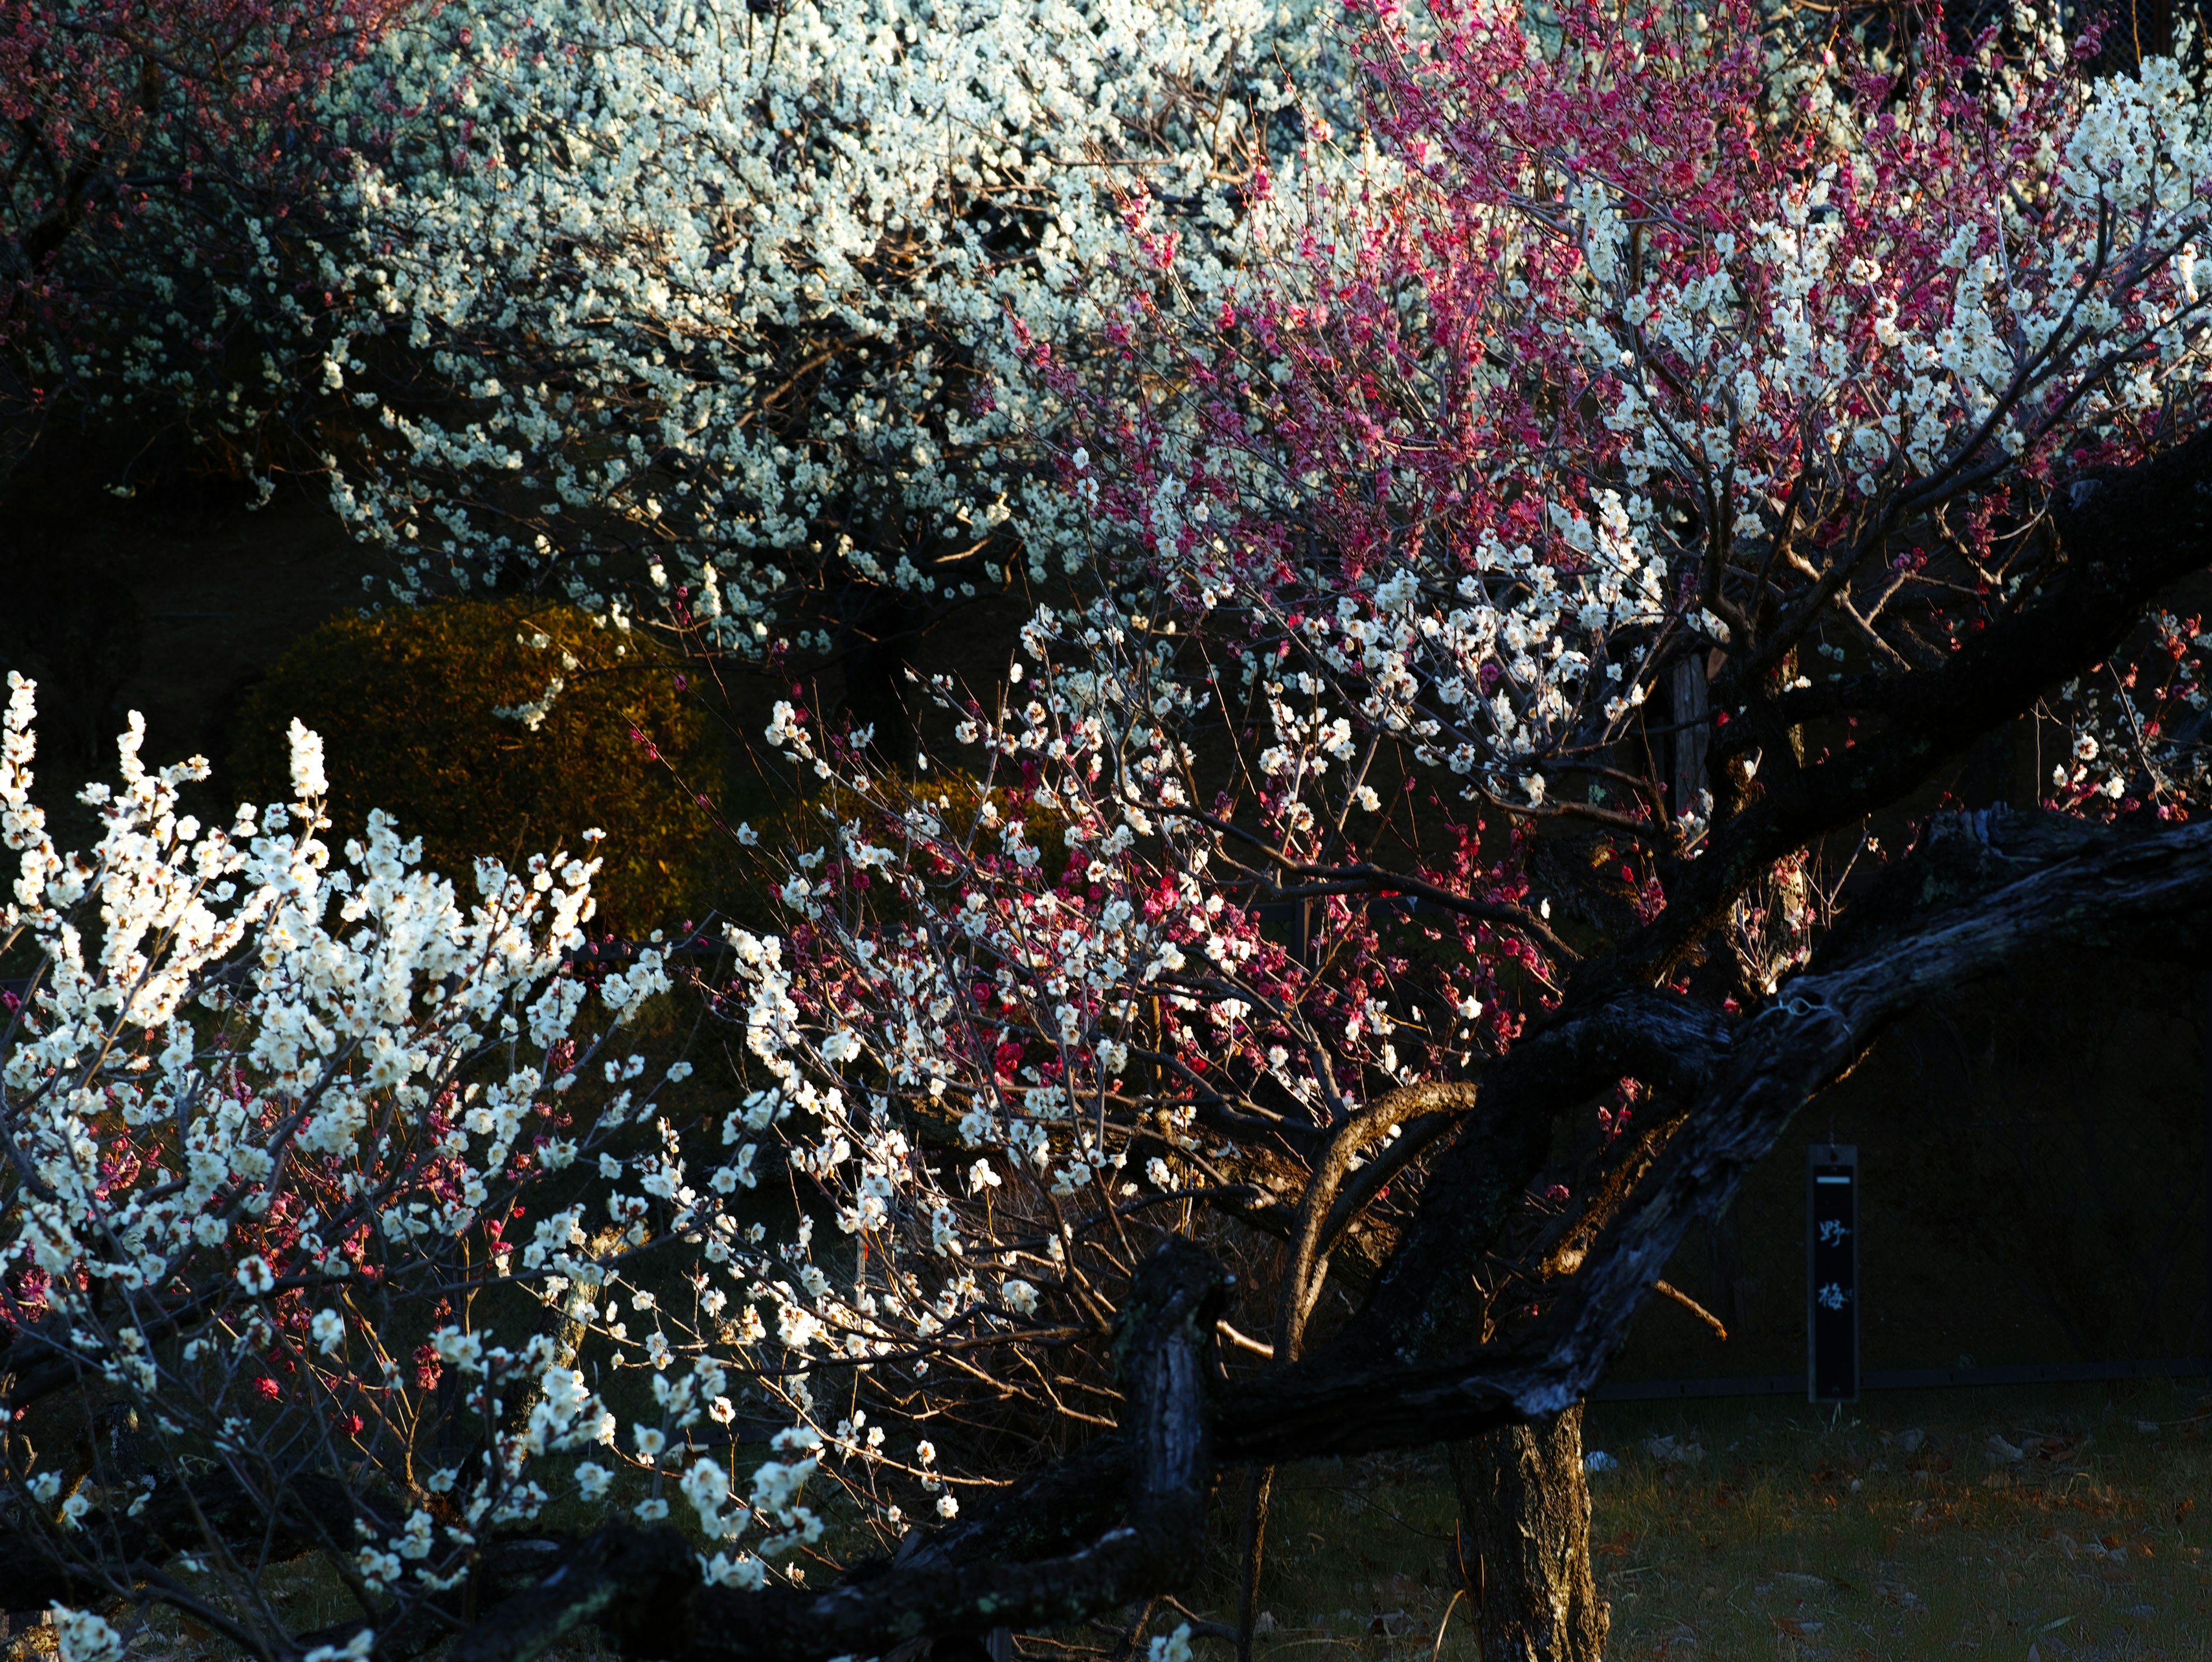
x: 1797, y: 1534
x: 1773, y: 1529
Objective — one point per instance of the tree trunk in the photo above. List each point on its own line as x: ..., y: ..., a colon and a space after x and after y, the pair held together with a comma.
x: 1690, y: 695
x: 1524, y: 1542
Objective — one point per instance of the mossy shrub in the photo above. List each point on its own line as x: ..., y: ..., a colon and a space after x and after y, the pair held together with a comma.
x: 406, y: 701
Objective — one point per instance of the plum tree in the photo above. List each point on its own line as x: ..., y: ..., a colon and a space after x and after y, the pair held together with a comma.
x: 1593, y: 496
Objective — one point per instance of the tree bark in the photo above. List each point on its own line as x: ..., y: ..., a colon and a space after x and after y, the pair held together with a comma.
x: 1524, y: 1542
x: 1691, y: 714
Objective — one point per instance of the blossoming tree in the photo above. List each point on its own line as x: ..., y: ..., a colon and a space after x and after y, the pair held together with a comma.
x: 1608, y: 388
x: 1640, y: 457
x: 1578, y: 513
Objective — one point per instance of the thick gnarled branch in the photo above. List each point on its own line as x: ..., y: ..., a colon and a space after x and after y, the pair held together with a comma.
x: 2041, y: 882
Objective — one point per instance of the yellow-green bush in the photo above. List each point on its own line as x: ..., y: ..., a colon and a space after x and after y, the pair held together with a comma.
x: 404, y: 701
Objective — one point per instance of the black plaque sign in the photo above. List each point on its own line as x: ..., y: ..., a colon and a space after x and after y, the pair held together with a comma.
x: 1831, y: 1273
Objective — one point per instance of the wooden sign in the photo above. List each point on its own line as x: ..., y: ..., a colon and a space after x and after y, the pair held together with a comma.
x: 1831, y: 1273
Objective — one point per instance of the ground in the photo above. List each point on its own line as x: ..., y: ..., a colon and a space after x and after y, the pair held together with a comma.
x: 1764, y: 1529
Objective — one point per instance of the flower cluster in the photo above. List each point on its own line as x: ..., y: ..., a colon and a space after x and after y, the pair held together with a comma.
x: 1589, y: 409
x: 1581, y: 397
x: 1027, y: 1017
x: 1593, y: 372
x: 733, y: 285
x: 2135, y: 732
x: 270, y: 1120
x: 286, y: 1132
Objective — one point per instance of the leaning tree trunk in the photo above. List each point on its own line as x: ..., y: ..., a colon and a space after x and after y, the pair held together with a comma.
x: 1524, y: 1542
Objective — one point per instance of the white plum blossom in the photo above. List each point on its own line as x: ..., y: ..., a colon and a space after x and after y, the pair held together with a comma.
x: 696, y: 273
x: 85, y: 1636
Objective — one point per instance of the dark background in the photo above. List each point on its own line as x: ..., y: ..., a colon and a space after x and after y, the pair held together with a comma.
x: 2032, y: 1165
